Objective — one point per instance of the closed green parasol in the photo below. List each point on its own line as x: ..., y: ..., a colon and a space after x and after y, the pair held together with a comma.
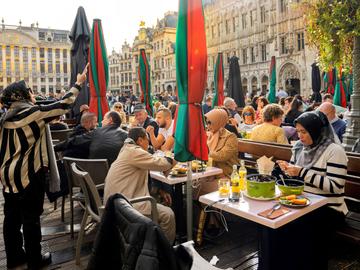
x: 144, y: 80
x: 98, y: 72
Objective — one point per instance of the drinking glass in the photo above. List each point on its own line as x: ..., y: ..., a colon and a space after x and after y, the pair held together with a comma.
x: 224, y: 188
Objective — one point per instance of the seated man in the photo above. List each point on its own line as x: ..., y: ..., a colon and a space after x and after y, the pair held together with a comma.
x: 104, y: 142
x: 142, y: 119
x: 338, y: 124
x: 165, y: 139
x: 88, y: 122
x: 207, y: 106
x: 230, y: 104
x: 128, y: 175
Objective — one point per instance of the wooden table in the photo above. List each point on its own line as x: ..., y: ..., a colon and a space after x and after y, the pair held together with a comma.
x: 287, y: 242
x: 178, y: 202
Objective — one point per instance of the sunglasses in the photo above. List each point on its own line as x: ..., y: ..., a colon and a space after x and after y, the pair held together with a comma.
x: 118, y: 107
x: 247, y: 114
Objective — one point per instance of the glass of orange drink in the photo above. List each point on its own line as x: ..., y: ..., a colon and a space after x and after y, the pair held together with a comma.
x: 224, y: 188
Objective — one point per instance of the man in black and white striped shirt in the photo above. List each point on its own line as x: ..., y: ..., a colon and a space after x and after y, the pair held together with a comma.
x: 23, y: 158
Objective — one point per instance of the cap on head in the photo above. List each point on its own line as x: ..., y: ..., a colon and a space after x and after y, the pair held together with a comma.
x: 139, y: 107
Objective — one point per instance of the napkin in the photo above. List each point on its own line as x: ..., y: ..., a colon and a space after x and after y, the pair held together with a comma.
x: 265, y: 165
x: 275, y: 214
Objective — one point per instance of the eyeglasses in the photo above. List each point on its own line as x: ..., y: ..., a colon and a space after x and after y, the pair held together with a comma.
x: 247, y: 114
x: 118, y: 107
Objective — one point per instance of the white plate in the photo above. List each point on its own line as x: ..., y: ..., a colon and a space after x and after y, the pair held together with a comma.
x: 277, y: 194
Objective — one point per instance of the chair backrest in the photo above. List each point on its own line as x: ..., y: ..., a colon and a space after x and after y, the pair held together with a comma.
x: 61, y: 135
x: 70, y: 122
x: 92, y: 197
x: 97, y: 168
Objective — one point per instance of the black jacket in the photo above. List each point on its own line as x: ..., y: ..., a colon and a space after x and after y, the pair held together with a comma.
x: 79, y: 130
x: 128, y: 240
x: 151, y: 122
x: 105, y: 142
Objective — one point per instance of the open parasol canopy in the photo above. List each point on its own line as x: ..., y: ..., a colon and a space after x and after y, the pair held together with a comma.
x: 218, y: 99
x: 98, y: 72
x: 272, y: 90
x: 144, y: 81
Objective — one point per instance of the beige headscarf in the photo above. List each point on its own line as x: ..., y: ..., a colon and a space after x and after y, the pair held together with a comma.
x: 218, y: 119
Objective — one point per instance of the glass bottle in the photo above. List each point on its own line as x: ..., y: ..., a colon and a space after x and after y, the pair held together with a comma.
x: 235, y: 185
x: 242, y: 176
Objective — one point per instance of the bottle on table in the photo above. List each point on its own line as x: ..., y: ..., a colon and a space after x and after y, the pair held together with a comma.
x: 235, y: 185
x: 242, y: 176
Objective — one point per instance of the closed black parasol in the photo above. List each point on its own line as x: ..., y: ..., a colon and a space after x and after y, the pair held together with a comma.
x: 315, y: 82
x: 80, y: 37
x: 233, y: 85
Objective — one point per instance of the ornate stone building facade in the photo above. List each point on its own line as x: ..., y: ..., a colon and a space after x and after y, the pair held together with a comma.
x: 142, y: 41
x: 163, y: 62
x: 121, y: 72
x: 39, y: 56
x: 159, y: 44
x: 254, y: 31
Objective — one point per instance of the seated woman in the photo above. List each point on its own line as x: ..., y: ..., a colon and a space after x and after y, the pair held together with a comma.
x: 248, y: 114
x: 270, y: 130
x: 321, y: 163
x: 231, y: 125
x: 261, y: 103
x: 223, y: 145
x: 118, y: 107
x: 295, y: 110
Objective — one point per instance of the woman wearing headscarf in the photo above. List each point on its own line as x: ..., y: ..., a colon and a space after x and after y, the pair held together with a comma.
x: 320, y: 161
x: 223, y: 149
x: 223, y: 145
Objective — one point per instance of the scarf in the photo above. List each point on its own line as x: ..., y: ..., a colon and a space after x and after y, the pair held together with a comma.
x: 322, y: 134
x: 218, y: 119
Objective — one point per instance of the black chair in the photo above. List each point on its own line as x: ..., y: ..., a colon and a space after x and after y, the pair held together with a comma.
x: 93, y: 203
x: 61, y: 135
x: 97, y: 169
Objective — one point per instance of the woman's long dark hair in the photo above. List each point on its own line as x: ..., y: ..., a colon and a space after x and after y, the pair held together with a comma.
x: 294, y: 106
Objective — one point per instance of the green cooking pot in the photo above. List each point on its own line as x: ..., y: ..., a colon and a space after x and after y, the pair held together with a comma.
x: 293, y: 187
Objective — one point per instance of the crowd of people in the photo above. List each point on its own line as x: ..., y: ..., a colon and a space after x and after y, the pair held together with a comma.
x: 129, y: 137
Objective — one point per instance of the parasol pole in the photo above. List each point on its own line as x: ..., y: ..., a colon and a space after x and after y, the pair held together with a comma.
x: 189, y: 210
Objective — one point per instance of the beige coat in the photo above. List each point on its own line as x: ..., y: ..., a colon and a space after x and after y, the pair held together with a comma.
x: 226, y: 152
x: 128, y: 174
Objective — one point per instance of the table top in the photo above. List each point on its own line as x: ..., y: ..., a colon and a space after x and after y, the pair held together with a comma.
x: 210, y: 171
x: 250, y: 208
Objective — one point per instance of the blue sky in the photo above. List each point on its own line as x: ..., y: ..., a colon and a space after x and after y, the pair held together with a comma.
x: 120, y: 18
